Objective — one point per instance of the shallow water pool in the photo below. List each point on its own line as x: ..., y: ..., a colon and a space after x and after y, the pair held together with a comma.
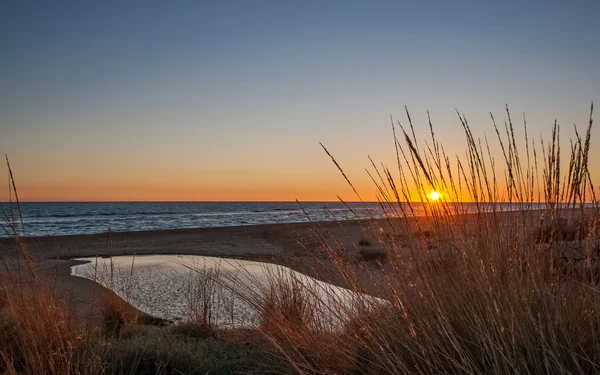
x: 226, y: 292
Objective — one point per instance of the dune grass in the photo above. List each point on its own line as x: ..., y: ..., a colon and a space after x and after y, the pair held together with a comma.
x: 38, y: 335
x: 463, y: 289
x: 490, y: 291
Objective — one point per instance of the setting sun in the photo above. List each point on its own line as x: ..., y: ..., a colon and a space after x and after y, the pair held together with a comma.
x: 434, y: 195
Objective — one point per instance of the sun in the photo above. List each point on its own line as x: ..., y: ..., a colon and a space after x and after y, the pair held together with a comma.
x: 434, y: 195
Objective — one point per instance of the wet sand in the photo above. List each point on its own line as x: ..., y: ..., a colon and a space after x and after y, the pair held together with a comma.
x: 296, y: 246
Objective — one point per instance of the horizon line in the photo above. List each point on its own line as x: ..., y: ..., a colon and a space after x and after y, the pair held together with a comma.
x: 290, y: 201
x: 202, y: 201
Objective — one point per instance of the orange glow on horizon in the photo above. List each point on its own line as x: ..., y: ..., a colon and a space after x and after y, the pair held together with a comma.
x: 158, y: 193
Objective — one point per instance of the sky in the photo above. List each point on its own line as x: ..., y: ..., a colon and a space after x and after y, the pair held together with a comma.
x: 228, y: 101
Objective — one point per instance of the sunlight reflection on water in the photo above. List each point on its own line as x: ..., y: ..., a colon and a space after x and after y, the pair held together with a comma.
x: 177, y: 286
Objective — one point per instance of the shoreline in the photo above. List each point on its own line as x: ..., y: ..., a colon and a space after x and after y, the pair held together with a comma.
x: 188, y: 230
x: 292, y: 223
x: 292, y: 245
x: 297, y: 246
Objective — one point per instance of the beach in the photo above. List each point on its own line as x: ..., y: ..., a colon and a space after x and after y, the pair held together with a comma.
x: 297, y: 246
x: 378, y: 257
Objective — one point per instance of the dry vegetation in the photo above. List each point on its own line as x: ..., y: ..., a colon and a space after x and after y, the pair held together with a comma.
x: 483, y: 291
x: 486, y: 292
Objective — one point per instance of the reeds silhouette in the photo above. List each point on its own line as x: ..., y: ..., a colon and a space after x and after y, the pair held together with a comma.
x: 489, y: 290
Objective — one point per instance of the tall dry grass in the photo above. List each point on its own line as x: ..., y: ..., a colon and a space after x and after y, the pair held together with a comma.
x: 39, y: 334
x: 470, y: 289
x: 466, y: 289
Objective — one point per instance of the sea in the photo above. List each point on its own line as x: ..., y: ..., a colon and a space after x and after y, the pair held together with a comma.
x: 51, y: 219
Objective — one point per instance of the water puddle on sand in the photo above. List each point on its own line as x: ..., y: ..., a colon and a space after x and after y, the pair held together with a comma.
x: 227, y: 291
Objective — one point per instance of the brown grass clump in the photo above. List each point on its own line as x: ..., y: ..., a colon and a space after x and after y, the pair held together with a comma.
x: 460, y: 316
x: 472, y: 288
x: 37, y: 335
x: 117, y: 314
x: 291, y: 319
x: 287, y: 309
x: 203, y: 298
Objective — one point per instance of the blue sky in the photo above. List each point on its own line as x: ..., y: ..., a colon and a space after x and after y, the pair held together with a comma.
x: 230, y: 99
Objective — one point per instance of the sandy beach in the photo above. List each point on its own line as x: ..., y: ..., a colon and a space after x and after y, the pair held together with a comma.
x: 296, y: 246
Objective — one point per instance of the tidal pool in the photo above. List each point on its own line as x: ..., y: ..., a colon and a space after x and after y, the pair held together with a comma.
x: 227, y: 292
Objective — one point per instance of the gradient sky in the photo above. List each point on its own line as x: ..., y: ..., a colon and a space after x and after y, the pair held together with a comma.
x: 228, y: 100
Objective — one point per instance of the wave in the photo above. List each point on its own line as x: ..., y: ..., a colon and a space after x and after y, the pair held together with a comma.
x: 100, y: 214
x: 74, y: 218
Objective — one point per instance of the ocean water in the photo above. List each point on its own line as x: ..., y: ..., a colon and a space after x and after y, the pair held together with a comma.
x: 43, y: 219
